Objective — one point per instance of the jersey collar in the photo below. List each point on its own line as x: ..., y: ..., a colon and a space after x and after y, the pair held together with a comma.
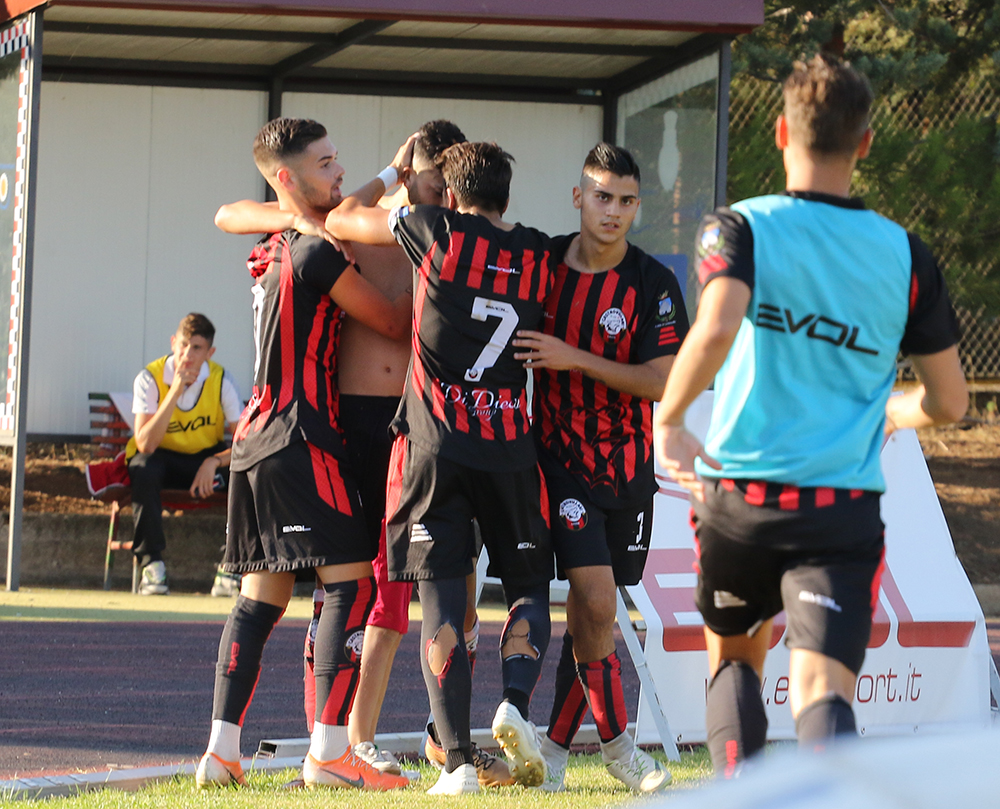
x: 855, y: 203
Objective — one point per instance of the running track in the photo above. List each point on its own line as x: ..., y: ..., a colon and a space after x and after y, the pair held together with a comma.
x: 82, y: 696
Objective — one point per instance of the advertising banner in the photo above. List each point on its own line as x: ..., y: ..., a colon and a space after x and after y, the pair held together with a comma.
x: 928, y: 660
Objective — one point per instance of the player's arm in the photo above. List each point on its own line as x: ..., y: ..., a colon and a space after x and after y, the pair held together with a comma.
x: 721, y: 310
x: 365, y: 303
x: 151, y: 427
x: 250, y: 216
x: 357, y: 218
x: 645, y: 379
x: 941, y: 398
x: 204, y: 480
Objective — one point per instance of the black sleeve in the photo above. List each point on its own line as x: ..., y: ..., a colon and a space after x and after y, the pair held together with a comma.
x: 931, y: 325
x: 416, y: 228
x: 724, y: 248
x: 316, y: 262
x: 664, y: 322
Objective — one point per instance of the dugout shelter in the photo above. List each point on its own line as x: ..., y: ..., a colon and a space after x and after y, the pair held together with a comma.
x: 124, y: 124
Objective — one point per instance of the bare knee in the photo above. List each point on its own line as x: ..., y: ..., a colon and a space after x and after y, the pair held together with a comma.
x: 440, y: 649
x: 516, y: 641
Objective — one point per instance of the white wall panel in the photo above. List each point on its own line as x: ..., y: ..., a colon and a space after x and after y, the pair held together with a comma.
x: 548, y: 142
x: 130, y: 178
x: 200, y: 158
x: 89, y: 283
x: 128, y: 183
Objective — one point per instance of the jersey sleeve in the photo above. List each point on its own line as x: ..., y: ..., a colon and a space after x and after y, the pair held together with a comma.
x: 724, y: 248
x: 232, y: 404
x: 931, y: 325
x: 316, y: 262
x: 415, y: 228
x: 664, y: 322
x: 145, y: 394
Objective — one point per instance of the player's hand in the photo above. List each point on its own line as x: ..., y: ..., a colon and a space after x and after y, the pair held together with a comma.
x: 204, y: 480
x: 308, y: 226
x: 185, y: 374
x: 676, y: 450
x: 403, y: 161
x: 546, y: 351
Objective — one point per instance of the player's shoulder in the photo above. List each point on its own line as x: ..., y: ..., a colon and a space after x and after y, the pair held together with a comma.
x: 560, y: 244
x: 307, y: 250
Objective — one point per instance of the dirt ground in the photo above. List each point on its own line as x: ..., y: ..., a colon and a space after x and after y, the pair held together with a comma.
x: 964, y: 462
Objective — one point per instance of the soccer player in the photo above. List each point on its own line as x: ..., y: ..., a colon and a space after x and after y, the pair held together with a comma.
x: 612, y: 327
x: 464, y: 448
x: 370, y: 375
x: 293, y: 504
x: 807, y: 299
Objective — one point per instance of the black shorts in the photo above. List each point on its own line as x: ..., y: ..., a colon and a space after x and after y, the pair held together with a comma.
x: 365, y: 423
x: 827, y: 584
x: 430, y: 507
x: 584, y: 534
x: 294, y: 510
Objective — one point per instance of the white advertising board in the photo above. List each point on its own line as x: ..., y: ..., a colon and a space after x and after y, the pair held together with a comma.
x: 928, y: 660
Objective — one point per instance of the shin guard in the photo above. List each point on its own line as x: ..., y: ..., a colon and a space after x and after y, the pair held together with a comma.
x: 820, y: 721
x: 445, y: 665
x: 523, y: 642
x: 734, y: 717
x: 570, y: 703
x: 602, y: 685
x: 339, y: 637
x: 247, y: 629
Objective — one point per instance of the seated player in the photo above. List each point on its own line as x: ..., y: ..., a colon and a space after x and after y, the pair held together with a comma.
x: 808, y: 298
x: 293, y: 503
x: 612, y: 328
x: 464, y: 448
x: 181, y: 403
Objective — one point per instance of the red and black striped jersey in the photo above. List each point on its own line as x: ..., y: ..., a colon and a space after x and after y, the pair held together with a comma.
x: 633, y: 313
x: 296, y: 333
x: 474, y: 285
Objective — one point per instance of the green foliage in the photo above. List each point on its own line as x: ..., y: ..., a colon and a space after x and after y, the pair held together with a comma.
x: 934, y: 163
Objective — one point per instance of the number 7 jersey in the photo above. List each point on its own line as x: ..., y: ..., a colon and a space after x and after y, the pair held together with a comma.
x: 466, y: 398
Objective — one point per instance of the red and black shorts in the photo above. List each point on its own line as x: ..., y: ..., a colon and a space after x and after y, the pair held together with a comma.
x: 294, y: 510
x: 430, y: 506
x: 585, y: 535
x: 819, y: 561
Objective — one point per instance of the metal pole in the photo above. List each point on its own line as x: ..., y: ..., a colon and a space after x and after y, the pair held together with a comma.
x: 722, y: 125
x: 24, y: 318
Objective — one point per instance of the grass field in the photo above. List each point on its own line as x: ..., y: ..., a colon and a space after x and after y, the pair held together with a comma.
x: 588, y: 785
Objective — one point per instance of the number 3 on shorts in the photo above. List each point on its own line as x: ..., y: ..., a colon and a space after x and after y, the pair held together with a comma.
x: 483, y: 308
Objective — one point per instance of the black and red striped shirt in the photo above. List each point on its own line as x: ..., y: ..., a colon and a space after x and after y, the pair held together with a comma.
x: 632, y: 314
x: 296, y: 334
x: 474, y: 285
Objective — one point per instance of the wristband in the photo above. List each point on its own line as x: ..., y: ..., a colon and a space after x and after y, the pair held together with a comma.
x: 389, y: 177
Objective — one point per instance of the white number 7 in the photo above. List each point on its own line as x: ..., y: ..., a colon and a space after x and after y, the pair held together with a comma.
x: 483, y: 308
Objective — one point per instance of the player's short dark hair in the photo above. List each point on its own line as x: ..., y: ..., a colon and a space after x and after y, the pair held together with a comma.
x: 282, y: 138
x: 478, y: 174
x: 608, y: 157
x: 827, y: 105
x: 435, y: 137
x: 197, y: 325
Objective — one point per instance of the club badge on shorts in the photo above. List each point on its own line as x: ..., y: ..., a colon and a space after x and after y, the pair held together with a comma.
x: 352, y: 646
x: 613, y: 324
x: 573, y: 514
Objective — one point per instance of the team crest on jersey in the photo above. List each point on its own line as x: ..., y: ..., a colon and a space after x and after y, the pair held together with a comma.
x: 665, y: 308
x: 573, y: 514
x: 352, y: 646
x: 712, y: 241
x: 613, y: 324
